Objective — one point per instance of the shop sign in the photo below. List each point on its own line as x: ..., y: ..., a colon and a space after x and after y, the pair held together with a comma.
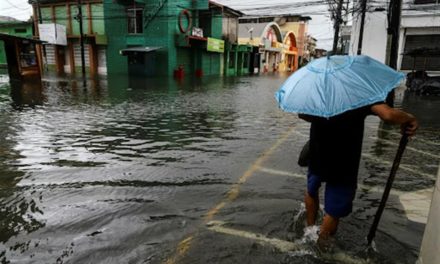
x: 216, y: 45
x: 197, y: 32
x: 53, y: 34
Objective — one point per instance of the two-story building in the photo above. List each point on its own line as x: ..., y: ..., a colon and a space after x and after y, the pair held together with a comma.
x: 13, y: 27
x: 280, y: 40
x: 139, y: 37
x: 419, y: 29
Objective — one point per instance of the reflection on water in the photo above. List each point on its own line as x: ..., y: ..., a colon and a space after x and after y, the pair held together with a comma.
x: 121, y: 170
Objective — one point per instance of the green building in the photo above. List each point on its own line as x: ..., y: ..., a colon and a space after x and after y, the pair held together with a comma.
x: 138, y: 37
x: 164, y: 37
x: 237, y: 57
x: 14, y: 28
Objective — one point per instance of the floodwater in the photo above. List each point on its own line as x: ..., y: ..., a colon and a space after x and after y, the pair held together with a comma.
x: 198, y: 171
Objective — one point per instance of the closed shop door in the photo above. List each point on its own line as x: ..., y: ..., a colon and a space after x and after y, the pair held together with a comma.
x: 102, y: 60
x: 77, y: 52
x: 50, y: 54
x: 421, y: 63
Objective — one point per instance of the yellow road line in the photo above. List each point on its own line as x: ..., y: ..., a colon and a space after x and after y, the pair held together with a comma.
x: 185, y: 244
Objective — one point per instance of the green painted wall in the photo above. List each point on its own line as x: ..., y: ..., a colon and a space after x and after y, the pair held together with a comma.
x: 75, y: 23
x: 22, y: 29
x: 98, y: 26
x: 116, y: 24
x: 161, y: 29
x: 61, y: 15
x: 46, y: 14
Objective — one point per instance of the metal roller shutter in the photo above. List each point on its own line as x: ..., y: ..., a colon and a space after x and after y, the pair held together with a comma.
x: 102, y: 60
x: 50, y: 54
x: 77, y: 52
x: 421, y: 41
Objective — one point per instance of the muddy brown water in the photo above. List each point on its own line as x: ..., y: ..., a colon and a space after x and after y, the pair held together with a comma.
x: 122, y: 171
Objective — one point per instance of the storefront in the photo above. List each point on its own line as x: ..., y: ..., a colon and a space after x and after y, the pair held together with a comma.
x: 290, y: 53
x: 22, y: 58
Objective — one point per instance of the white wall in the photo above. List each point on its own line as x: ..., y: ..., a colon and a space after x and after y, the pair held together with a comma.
x: 429, y: 252
x: 375, y: 31
x: 375, y: 36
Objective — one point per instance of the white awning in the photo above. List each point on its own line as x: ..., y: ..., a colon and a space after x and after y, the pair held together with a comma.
x: 125, y: 52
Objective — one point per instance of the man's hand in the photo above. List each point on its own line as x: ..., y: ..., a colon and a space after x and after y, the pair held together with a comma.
x: 409, y: 128
x: 408, y: 123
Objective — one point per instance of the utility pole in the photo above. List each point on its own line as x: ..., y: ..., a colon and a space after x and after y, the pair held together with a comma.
x: 361, y: 30
x: 79, y: 18
x: 40, y: 21
x: 394, y: 13
x: 338, y: 19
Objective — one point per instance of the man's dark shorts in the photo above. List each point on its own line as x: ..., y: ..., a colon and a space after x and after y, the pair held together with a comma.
x: 338, y: 200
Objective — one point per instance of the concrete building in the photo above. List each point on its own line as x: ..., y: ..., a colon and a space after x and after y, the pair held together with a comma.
x: 237, y: 57
x: 345, y: 39
x: 281, y: 40
x: 65, y: 57
x: 13, y: 27
x: 138, y: 37
x: 23, y: 62
x: 310, y: 48
x: 420, y: 28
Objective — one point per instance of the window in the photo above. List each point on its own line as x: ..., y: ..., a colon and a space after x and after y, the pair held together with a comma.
x: 20, y: 30
x: 135, y: 21
x: 27, y: 55
x: 231, y: 60
x: 423, y: 2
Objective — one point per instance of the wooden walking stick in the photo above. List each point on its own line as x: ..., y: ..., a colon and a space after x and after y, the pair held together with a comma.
x: 386, y: 193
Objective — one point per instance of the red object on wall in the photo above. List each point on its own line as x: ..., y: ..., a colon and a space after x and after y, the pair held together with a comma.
x: 179, y: 73
x: 199, y: 73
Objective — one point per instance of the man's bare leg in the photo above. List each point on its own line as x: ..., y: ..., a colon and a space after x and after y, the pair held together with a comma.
x: 328, y: 227
x: 312, y: 206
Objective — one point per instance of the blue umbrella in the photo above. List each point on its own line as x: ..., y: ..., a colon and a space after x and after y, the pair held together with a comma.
x: 332, y: 85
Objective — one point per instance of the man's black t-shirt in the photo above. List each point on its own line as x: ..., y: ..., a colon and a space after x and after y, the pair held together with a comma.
x: 336, y: 145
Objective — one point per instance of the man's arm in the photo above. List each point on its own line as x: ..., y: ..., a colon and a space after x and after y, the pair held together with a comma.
x: 408, y: 123
x: 305, y: 117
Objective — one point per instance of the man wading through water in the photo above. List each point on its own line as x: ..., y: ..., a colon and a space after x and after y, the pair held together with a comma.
x: 335, y: 151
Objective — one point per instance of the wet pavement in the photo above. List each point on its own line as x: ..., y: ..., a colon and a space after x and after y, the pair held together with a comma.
x: 198, y: 171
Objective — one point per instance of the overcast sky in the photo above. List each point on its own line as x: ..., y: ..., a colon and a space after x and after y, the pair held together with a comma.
x: 320, y: 26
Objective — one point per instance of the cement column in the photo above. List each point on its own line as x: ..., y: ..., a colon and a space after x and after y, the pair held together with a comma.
x: 429, y: 252
x: 241, y: 64
x: 226, y: 65
x: 236, y: 62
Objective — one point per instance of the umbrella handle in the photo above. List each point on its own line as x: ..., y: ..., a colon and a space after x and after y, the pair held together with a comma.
x: 386, y: 193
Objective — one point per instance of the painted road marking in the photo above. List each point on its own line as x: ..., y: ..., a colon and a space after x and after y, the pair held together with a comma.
x: 281, y: 245
x: 408, y: 147
x: 415, y: 138
x: 361, y: 186
x: 284, y: 246
x: 403, y: 167
x: 390, y: 143
x: 185, y: 244
x: 282, y: 173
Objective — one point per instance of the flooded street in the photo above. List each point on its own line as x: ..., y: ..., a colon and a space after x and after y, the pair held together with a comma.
x: 199, y: 171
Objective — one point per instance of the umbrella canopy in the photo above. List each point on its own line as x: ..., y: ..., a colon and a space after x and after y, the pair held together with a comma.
x: 332, y: 85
